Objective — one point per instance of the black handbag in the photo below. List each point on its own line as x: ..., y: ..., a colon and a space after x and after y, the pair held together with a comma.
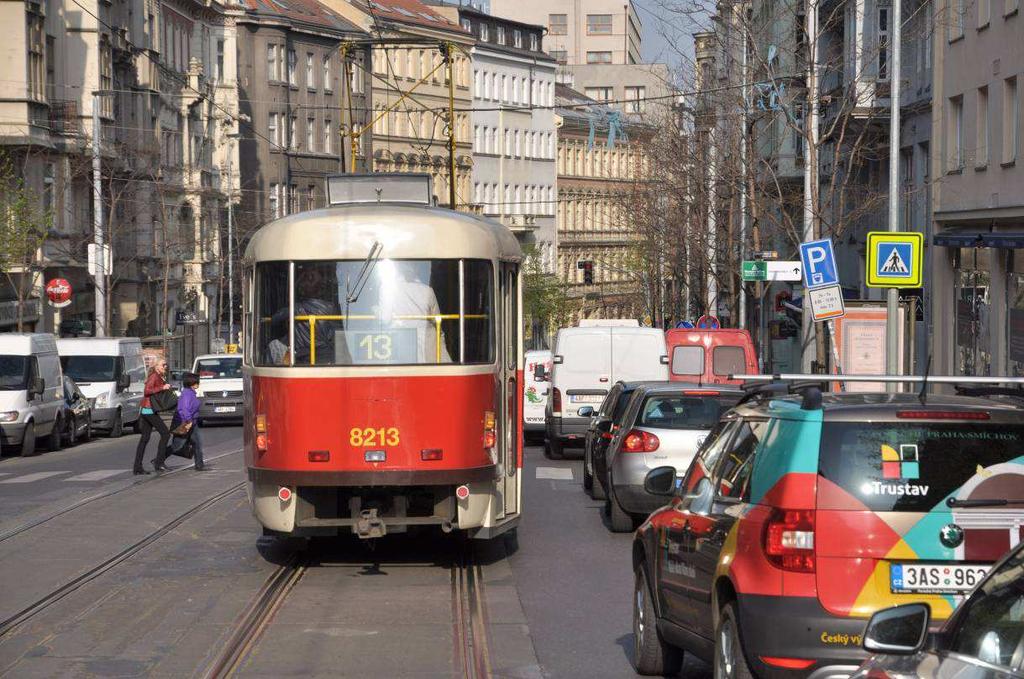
x: 186, y: 450
x: 162, y: 401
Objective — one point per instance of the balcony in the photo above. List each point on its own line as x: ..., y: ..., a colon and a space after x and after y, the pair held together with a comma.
x: 64, y: 117
x: 520, y: 223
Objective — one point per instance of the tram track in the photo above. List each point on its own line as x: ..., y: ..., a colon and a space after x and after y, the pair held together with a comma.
x: 470, y: 651
x: 13, y: 622
x: 34, y: 523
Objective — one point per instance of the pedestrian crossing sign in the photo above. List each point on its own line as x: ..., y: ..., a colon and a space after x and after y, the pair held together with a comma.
x: 895, y: 259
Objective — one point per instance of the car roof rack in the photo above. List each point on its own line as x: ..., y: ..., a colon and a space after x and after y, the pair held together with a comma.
x: 810, y: 390
x: 896, y: 379
x: 984, y: 391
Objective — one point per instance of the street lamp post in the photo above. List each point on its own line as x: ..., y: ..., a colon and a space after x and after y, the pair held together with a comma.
x: 231, y: 241
x: 892, y: 294
x: 100, y: 259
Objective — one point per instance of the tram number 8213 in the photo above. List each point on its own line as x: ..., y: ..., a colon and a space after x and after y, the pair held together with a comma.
x: 360, y: 437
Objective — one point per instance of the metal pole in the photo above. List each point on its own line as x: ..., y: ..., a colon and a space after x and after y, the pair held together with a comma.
x: 231, y: 248
x: 807, y: 344
x: 892, y: 294
x: 451, y: 128
x: 99, y: 273
x: 743, y: 172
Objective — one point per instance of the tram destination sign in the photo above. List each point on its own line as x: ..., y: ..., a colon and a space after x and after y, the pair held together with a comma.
x: 392, y: 346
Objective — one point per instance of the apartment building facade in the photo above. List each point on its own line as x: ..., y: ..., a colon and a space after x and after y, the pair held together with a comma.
x: 977, y: 258
x: 581, y: 31
x: 293, y: 86
x: 596, y: 236
x: 409, y: 91
x: 162, y: 78
x: 514, y: 136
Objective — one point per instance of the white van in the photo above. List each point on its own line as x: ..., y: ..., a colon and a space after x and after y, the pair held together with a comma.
x: 220, y: 387
x: 607, y: 322
x: 31, y: 392
x: 586, y: 363
x: 535, y: 390
x: 111, y: 372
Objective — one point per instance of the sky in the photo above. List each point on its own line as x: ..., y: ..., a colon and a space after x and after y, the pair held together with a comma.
x: 666, y: 33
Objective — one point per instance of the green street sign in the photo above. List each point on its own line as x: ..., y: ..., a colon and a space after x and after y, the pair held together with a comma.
x: 755, y: 270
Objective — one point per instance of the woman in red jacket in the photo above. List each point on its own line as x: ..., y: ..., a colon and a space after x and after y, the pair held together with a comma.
x: 150, y: 420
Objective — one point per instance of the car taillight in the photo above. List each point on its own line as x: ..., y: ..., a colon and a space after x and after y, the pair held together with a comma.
x: 942, y: 415
x: 490, y: 430
x: 638, y: 441
x: 789, y: 539
x: 556, y: 401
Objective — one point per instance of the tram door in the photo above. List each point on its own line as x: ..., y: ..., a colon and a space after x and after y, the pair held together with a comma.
x: 509, y: 337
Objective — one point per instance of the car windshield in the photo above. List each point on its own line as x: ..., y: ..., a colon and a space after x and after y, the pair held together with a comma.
x: 913, y: 467
x: 220, y: 368
x: 672, y: 411
x: 13, y: 372
x: 89, y: 368
x: 991, y: 625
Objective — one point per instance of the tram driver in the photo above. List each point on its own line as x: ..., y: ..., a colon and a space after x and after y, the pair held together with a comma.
x: 314, y: 295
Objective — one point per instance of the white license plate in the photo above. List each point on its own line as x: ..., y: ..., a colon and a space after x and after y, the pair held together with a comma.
x: 907, y: 578
x: 586, y: 398
x: 224, y: 409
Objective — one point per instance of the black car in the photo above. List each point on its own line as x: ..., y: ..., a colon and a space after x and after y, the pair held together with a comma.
x: 599, y: 434
x: 77, y: 414
x: 984, y: 639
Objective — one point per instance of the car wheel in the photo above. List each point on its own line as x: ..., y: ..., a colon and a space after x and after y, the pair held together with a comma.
x: 117, y: 427
x: 28, y: 442
x: 55, y: 440
x: 72, y: 432
x: 622, y: 521
x: 651, y: 655
x: 554, y: 449
x: 588, y: 477
x: 730, y: 660
x: 598, y: 492
x: 87, y: 434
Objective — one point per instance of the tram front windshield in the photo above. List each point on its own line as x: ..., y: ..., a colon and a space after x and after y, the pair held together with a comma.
x: 385, y: 312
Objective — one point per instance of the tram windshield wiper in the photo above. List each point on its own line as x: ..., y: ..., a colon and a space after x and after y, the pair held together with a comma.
x: 980, y: 502
x: 353, y: 291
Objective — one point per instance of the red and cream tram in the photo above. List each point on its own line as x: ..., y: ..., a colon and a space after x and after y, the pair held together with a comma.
x: 383, y: 366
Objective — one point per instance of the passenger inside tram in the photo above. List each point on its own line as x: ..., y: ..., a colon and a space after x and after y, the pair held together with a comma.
x: 405, y: 301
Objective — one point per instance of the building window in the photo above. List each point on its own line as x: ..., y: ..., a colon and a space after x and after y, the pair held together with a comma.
x: 478, y: 84
x: 956, y: 22
x: 310, y: 134
x: 327, y: 73
x: 272, y: 129
x: 291, y: 67
x: 485, y: 33
x: 515, y: 89
x: 599, y: 93
x: 1011, y: 119
x: 982, y: 119
x: 1010, y: 6
x: 534, y: 43
x: 558, y: 24
x: 48, y: 182
x: 599, y: 57
x: 271, y: 63
x: 218, y: 64
x: 635, y: 99
x: 956, y: 133
x: 517, y: 38
x: 310, y: 75
x: 561, y: 56
x: 500, y: 35
x: 293, y: 137
x: 883, y: 43
x: 467, y: 25
x: 328, y: 137
x: 599, y: 24
x: 984, y: 12
x: 273, y: 201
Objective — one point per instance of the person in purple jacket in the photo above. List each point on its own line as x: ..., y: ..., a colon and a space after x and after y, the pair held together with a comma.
x: 188, y: 410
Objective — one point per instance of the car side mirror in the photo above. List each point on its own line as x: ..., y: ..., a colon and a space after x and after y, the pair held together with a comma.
x: 586, y: 411
x: 664, y: 360
x: 557, y: 358
x: 123, y: 382
x: 539, y: 373
x: 901, y: 630
x: 36, y: 387
x: 661, y: 481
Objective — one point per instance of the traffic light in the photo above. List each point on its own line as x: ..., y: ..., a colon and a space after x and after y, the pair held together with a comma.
x: 588, y: 272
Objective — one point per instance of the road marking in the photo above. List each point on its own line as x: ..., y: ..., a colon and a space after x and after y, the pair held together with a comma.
x: 556, y: 473
x: 97, y: 475
x: 29, y: 478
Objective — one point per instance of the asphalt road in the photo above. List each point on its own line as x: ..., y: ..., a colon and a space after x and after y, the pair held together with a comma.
x: 149, y: 576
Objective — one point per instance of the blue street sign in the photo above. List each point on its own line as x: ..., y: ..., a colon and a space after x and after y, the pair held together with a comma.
x: 685, y: 325
x: 819, y: 263
x: 895, y: 259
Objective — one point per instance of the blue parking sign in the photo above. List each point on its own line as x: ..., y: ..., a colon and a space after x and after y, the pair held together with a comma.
x: 819, y: 262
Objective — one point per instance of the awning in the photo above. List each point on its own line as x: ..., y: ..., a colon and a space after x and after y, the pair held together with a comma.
x: 1004, y: 240
x: 959, y: 239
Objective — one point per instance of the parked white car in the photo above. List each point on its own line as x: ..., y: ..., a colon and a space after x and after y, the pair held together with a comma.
x: 111, y: 372
x: 220, y: 387
x: 31, y: 392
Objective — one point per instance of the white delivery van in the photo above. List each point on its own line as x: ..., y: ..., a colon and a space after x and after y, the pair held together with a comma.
x: 586, y: 362
x: 31, y: 392
x: 535, y: 390
x: 606, y: 322
x: 220, y: 387
x: 111, y: 372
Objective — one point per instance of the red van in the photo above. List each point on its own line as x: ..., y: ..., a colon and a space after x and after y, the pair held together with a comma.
x: 710, y: 356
